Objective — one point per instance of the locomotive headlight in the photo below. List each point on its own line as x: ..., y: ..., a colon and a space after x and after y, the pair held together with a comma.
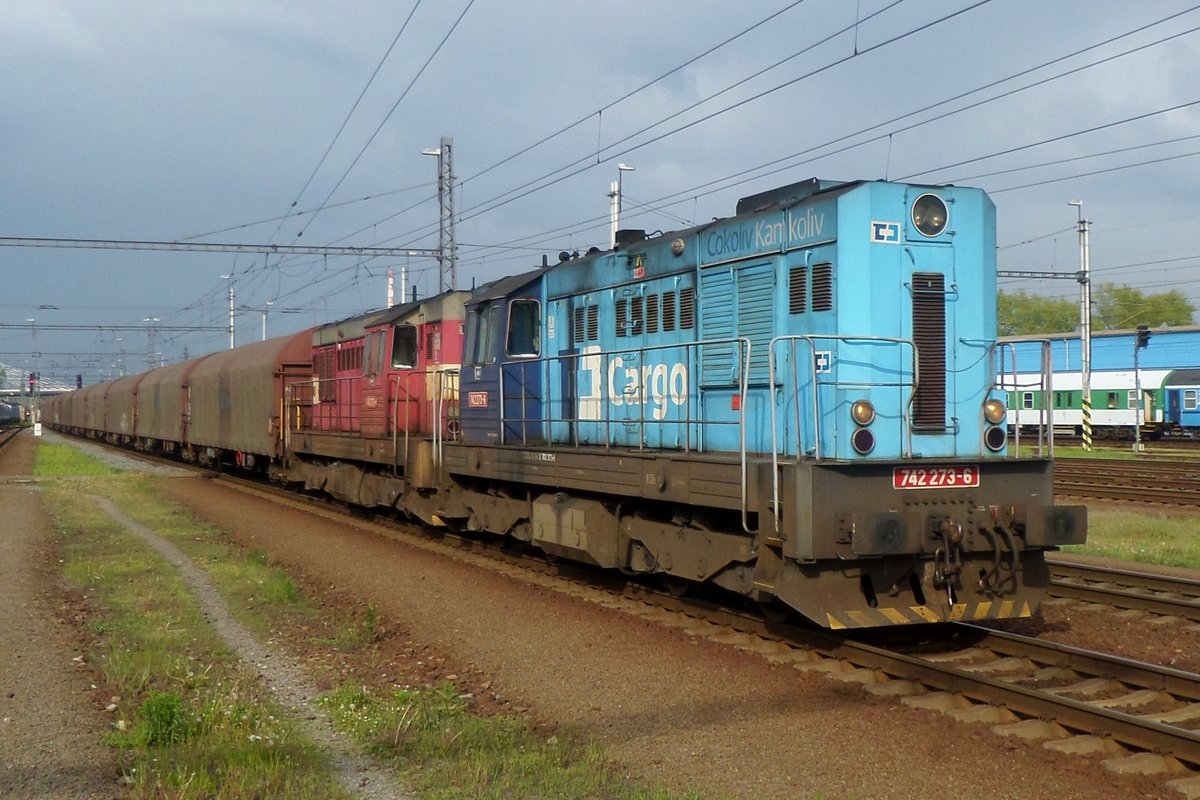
x: 995, y: 438
x: 863, y: 441
x: 929, y: 215
x: 862, y: 412
x: 994, y: 411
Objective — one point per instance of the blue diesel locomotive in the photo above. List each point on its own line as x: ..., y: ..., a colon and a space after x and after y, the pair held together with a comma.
x: 798, y: 404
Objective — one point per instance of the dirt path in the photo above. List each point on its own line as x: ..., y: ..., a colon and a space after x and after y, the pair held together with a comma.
x: 51, y: 723
x: 358, y: 775
x: 670, y: 707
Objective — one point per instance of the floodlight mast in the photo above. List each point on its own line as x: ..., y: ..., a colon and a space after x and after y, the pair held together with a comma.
x: 447, y: 252
x: 1085, y: 321
x: 614, y: 195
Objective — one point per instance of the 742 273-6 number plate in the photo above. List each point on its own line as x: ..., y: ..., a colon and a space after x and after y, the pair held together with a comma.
x: 963, y: 476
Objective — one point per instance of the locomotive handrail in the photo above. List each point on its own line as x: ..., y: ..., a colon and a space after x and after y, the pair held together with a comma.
x: 340, y: 413
x: 569, y: 362
x: 1044, y: 386
x: 448, y: 385
x: 394, y: 417
x: 814, y: 375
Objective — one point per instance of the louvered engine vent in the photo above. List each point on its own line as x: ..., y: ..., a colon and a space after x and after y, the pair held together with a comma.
x: 929, y: 335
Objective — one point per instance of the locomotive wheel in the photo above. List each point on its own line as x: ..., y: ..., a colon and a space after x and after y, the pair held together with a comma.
x: 677, y: 587
x: 775, y: 611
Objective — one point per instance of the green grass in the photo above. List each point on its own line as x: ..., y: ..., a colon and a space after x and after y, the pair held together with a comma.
x: 60, y: 460
x: 1145, y: 536
x: 192, y: 722
x: 1122, y: 451
x: 448, y: 753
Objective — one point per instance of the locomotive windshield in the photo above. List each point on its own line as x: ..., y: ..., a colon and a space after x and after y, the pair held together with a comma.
x: 404, y: 347
x: 481, y: 335
x: 524, y: 328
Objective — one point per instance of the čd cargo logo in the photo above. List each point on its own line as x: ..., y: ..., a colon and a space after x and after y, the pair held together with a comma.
x: 656, y: 386
x: 477, y: 399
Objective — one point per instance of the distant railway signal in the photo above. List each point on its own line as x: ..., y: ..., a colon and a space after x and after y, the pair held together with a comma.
x: 1141, y: 340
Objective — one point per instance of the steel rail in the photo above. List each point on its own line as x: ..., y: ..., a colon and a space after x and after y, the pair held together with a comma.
x: 1142, y: 591
x: 1077, y: 715
x: 1140, y: 481
x: 8, y: 434
x: 1129, y: 729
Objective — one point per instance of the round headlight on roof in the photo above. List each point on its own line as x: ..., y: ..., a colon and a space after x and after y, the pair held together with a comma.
x: 994, y: 411
x: 929, y: 215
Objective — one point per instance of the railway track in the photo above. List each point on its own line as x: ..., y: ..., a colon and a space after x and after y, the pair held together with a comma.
x: 1156, y: 594
x: 1022, y: 686
x: 8, y: 434
x: 1152, y: 481
x: 1082, y: 697
x: 1012, y: 682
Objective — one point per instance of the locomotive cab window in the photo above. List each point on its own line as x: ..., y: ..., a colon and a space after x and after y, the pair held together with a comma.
x: 372, y: 363
x: 404, y: 347
x: 481, y: 335
x: 524, y: 329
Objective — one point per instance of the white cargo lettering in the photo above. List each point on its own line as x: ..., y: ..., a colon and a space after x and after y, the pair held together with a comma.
x: 660, y: 385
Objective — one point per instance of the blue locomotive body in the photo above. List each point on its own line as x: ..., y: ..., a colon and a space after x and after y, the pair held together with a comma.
x: 753, y: 402
x: 759, y: 334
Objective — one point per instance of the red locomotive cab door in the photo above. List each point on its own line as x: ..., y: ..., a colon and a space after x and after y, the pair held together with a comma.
x: 372, y: 399
x: 407, y: 381
x: 374, y: 407
x: 409, y: 389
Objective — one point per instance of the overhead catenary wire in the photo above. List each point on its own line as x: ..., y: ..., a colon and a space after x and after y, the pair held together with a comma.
x: 692, y: 191
x: 346, y: 121
x: 583, y: 163
x: 408, y: 88
x: 325, y: 280
x: 757, y: 172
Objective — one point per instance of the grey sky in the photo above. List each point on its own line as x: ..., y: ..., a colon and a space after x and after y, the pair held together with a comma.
x: 160, y: 121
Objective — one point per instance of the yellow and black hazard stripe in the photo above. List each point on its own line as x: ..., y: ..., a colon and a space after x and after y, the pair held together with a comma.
x: 1087, y: 423
x: 911, y: 615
